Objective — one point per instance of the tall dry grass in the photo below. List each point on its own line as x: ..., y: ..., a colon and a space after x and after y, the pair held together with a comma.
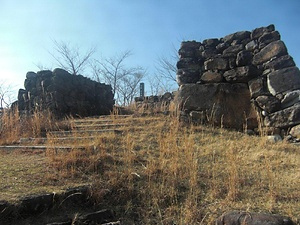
x: 165, y: 173
x: 14, y: 125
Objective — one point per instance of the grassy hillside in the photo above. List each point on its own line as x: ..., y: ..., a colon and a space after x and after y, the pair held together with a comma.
x: 159, y: 172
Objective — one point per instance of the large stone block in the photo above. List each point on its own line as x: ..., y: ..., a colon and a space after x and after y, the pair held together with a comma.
x: 280, y: 63
x: 211, y: 77
x: 186, y: 76
x: 217, y: 63
x: 240, y: 35
x: 241, y: 74
x: 188, y: 49
x: 295, y: 131
x: 223, y: 104
x: 244, y: 58
x: 211, y: 43
x: 252, y: 218
x: 233, y: 49
x: 269, y: 37
x: 268, y: 103
x: 256, y: 33
x: 256, y: 87
x: 287, y: 79
x: 274, y: 49
x: 290, y: 99
x: 284, y: 118
x: 251, y: 46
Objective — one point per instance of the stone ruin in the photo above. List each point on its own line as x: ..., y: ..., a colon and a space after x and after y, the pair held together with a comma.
x: 245, y: 80
x: 154, y: 102
x: 64, y: 94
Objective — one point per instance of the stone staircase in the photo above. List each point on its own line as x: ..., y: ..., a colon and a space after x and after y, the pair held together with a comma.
x: 59, y: 209
x: 81, y: 130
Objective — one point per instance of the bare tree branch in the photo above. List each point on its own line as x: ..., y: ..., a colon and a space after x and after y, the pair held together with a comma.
x: 166, y: 67
x: 6, y: 92
x: 70, y: 58
x: 124, y: 80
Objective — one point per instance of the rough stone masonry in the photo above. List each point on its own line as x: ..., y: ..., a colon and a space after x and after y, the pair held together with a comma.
x: 244, y: 80
x: 64, y: 94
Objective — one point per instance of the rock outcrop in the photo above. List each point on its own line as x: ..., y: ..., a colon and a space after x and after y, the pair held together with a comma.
x: 249, y: 218
x: 56, y: 208
x: 64, y: 94
x: 244, y: 80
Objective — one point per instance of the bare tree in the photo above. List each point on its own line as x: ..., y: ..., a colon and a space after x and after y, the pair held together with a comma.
x: 159, y: 85
x: 128, y: 88
x: 70, y: 58
x: 166, y: 66
x: 6, y: 93
x: 123, y: 79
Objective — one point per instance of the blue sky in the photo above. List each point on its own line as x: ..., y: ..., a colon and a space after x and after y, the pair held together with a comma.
x: 149, y: 28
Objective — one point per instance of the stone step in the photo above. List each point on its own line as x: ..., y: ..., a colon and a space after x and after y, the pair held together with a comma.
x: 39, y: 147
x: 97, y: 126
x: 103, y: 119
x: 83, y: 132
x: 24, y: 141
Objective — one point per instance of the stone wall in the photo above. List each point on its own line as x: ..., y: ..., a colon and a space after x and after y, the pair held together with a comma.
x: 154, y: 102
x: 64, y: 94
x: 244, y: 79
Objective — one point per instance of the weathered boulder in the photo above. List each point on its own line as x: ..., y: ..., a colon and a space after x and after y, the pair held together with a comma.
x: 267, y: 38
x: 240, y: 35
x: 240, y: 74
x: 256, y: 87
x: 256, y: 33
x: 217, y: 63
x: 99, y: 217
x: 290, y: 98
x: 295, y: 131
x: 274, y: 49
x: 248, y: 218
x: 64, y: 94
x: 284, y: 118
x: 185, y: 76
x: 274, y: 138
x: 32, y: 205
x: 244, y: 58
x: 268, y: 103
x: 188, y: 49
x: 280, y: 63
x: 222, y: 46
x: 211, y: 77
x: 233, y: 49
x: 211, y: 43
x: 287, y: 79
x: 30, y: 75
x: 209, y: 53
x: 251, y: 46
x: 223, y: 104
x: 186, y: 63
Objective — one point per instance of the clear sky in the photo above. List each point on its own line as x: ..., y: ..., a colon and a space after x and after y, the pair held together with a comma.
x: 149, y: 28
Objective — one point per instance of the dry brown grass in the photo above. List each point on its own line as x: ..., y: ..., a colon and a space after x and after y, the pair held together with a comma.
x: 157, y: 172
x: 13, y: 125
x: 164, y: 174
